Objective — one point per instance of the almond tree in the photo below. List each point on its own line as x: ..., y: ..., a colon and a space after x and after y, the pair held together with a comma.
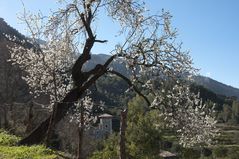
x: 150, y: 50
x: 185, y: 112
x: 47, y: 71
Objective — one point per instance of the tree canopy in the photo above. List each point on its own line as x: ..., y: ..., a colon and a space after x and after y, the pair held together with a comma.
x: 159, y: 65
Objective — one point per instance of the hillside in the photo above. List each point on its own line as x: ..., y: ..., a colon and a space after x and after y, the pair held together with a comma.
x: 118, y: 65
x: 12, y: 87
x: 211, y: 84
x: 6, y: 29
x: 217, y: 87
x: 108, y: 89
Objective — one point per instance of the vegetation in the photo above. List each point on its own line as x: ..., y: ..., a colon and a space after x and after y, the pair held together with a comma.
x: 159, y: 67
x: 9, y: 150
x: 164, y: 110
x: 144, y: 139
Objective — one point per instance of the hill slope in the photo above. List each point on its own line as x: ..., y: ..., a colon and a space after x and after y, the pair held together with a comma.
x: 12, y: 87
x: 217, y: 87
x: 211, y: 84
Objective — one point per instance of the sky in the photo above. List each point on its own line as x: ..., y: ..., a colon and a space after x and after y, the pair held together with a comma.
x: 207, y: 28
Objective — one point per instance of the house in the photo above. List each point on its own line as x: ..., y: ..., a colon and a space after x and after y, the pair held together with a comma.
x: 106, y: 123
x: 104, y: 128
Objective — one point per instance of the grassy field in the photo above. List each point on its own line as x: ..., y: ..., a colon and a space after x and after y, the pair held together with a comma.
x: 227, y: 147
x: 9, y: 150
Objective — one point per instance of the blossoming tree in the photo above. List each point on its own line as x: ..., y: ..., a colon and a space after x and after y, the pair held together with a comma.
x: 47, y: 71
x: 150, y: 50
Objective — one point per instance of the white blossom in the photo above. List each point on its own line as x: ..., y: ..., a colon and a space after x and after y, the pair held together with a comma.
x: 150, y: 50
x: 185, y: 112
x: 46, y: 71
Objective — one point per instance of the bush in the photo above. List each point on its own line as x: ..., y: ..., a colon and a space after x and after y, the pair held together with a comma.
x: 206, y: 152
x: 25, y: 152
x: 6, y: 139
x: 220, y: 151
x: 9, y: 151
x: 233, y: 152
x: 189, y: 153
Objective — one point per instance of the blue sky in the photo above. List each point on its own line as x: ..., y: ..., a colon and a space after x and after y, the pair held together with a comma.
x: 208, y: 28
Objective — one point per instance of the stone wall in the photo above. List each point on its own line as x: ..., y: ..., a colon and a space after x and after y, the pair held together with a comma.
x: 21, y: 118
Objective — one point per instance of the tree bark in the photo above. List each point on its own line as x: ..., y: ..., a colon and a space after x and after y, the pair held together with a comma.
x: 6, y: 124
x: 30, y: 117
x: 38, y: 134
x: 123, y: 126
x: 80, y: 140
x: 50, y: 127
x: 80, y: 132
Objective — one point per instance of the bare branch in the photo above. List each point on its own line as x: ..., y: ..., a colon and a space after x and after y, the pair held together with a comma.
x: 131, y: 85
x: 101, y: 41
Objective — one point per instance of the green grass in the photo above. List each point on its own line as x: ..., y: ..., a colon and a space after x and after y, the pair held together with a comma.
x: 7, y: 139
x: 25, y: 152
x: 9, y: 150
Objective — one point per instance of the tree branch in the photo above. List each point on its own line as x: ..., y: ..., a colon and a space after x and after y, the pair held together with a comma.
x: 101, y: 41
x: 131, y: 84
x: 87, y: 26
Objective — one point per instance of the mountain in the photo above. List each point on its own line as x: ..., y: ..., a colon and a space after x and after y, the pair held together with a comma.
x: 217, y: 87
x: 12, y: 87
x: 211, y: 84
x: 6, y: 29
x: 119, y: 65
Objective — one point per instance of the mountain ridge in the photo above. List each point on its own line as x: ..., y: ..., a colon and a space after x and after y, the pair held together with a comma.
x: 216, y: 86
x: 209, y: 83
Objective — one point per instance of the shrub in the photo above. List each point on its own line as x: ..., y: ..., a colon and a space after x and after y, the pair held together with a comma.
x: 6, y: 139
x: 189, y: 153
x: 25, y: 152
x: 206, y: 152
x: 220, y: 151
x: 233, y: 152
x: 9, y: 151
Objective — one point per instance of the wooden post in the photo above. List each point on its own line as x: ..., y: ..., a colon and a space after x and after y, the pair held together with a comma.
x: 123, y: 125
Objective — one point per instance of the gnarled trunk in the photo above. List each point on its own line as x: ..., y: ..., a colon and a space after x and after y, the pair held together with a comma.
x: 38, y: 134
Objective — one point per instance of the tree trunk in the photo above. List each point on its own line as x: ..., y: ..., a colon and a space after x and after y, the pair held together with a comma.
x: 123, y: 126
x: 39, y: 133
x: 51, y: 126
x: 30, y: 117
x: 80, y: 132
x: 6, y: 124
x: 80, y: 141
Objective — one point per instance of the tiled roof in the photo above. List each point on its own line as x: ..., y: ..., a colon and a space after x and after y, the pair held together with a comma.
x: 105, y: 116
